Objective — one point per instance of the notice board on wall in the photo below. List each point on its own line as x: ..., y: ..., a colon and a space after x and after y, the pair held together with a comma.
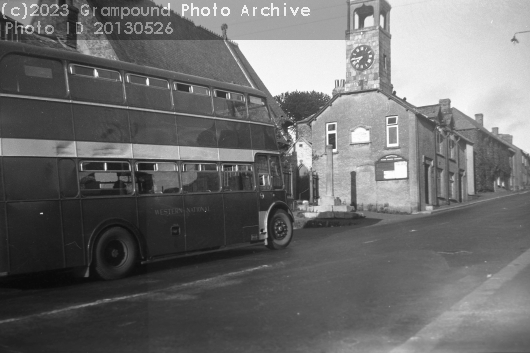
x: 391, y: 167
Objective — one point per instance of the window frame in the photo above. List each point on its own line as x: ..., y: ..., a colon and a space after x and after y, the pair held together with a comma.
x: 200, y: 164
x: 229, y: 95
x: 71, y: 71
x: 147, y: 84
x: 334, y: 132
x: 391, y: 126
x: 192, y: 88
x: 156, y: 163
x: 106, y: 169
x: 452, y: 149
x: 238, y: 165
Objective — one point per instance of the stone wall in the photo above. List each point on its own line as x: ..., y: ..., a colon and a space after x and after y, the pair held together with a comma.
x: 369, y: 110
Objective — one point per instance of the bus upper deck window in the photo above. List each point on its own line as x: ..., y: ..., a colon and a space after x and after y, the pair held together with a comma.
x: 93, y: 72
x: 32, y: 76
x: 201, y: 90
x: 148, y: 81
x: 83, y: 70
x: 230, y: 104
x: 108, y: 75
x: 257, y: 109
x: 237, y: 97
x: 221, y: 94
x: 183, y: 87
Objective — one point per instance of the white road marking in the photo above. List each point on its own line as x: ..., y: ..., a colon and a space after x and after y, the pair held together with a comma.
x: 428, y: 338
x: 132, y: 296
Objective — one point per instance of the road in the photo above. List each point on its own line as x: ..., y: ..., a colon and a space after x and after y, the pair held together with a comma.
x: 456, y: 281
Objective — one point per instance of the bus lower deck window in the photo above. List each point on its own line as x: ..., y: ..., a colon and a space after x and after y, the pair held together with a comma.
x: 105, y: 179
x: 200, y: 177
x: 157, y: 178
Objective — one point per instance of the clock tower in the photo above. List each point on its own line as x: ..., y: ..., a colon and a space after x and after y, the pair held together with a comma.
x: 368, y: 46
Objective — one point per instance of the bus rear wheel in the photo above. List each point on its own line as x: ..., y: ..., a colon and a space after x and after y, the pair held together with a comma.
x: 115, y: 254
x: 280, y: 232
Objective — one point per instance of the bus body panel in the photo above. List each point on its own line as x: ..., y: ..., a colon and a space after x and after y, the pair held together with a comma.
x: 161, y: 221
x: 4, y: 254
x: 102, y: 124
x: 241, y: 217
x: 35, y: 236
x: 74, y: 249
x: 37, y: 119
x: 97, y: 211
x: 204, y: 221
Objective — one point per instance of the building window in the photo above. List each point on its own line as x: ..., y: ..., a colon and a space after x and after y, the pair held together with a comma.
x: 331, y: 135
x: 440, y: 144
x: 452, y: 149
x: 452, y: 185
x: 392, y: 132
x: 439, y: 182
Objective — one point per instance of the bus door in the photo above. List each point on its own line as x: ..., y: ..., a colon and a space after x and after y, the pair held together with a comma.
x: 270, y: 181
x: 203, y: 206
x: 240, y: 206
x: 160, y: 207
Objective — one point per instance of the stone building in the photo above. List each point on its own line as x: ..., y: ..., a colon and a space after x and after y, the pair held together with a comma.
x: 497, y: 162
x: 387, y: 155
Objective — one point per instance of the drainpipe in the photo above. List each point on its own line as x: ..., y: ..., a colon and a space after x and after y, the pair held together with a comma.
x: 448, y: 179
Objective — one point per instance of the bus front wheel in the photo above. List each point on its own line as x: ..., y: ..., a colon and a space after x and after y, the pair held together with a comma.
x: 280, y: 230
x: 115, y: 254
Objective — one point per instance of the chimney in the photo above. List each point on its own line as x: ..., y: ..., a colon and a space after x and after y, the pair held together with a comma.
x: 480, y: 119
x: 495, y: 131
x: 445, y: 105
x: 339, y: 87
x: 507, y: 138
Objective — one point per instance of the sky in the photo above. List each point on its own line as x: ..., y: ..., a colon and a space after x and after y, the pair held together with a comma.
x: 456, y: 49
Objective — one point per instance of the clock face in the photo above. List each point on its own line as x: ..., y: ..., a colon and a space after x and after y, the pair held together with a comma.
x: 362, y: 57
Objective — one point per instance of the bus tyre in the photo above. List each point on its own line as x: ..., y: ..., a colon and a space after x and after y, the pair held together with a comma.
x: 280, y: 232
x: 115, y: 254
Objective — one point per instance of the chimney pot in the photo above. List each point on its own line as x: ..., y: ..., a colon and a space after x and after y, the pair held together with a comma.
x: 495, y: 131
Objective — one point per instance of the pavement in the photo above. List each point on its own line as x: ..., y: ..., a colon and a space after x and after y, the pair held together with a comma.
x: 381, y: 218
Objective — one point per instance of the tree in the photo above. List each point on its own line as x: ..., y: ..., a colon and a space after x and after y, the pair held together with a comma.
x: 300, y: 105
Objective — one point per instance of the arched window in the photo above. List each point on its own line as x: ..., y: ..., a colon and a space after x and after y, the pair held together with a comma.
x: 363, y: 17
x: 383, y: 20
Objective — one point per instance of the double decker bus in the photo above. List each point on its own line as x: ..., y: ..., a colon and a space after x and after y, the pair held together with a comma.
x: 106, y: 164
